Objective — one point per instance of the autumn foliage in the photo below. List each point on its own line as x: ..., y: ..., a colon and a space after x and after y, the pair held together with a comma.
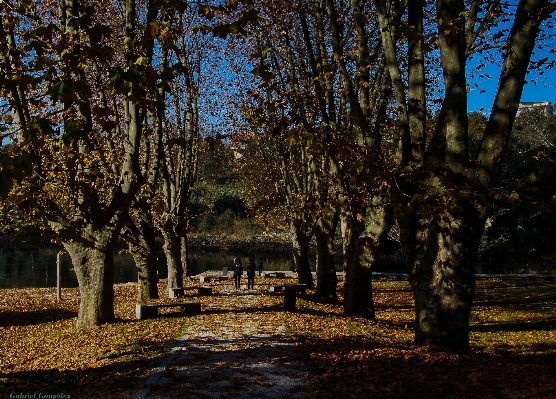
x: 513, y: 343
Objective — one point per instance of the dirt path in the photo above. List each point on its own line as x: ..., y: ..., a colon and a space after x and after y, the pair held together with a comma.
x: 246, y: 357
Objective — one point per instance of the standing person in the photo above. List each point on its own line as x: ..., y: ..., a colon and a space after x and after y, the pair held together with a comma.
x: 238, y: 271
x: 260, y: 266
x: 250, y: 274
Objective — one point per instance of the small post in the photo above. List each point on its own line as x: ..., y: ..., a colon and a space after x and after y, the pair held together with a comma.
x: 58, y: 275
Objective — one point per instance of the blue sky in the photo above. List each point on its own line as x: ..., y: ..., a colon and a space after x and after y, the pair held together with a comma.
x: 543, y: 90
x: 541, y: 84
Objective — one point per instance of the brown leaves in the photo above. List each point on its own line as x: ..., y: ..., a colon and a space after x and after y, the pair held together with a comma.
x: 513, y: 341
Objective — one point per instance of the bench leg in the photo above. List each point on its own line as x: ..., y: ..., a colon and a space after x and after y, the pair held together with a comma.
x: 143, y: 312
x: 204, y: 290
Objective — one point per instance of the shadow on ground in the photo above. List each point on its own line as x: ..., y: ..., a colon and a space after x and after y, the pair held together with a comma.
x: 117, y: 380
x: 21, y: 319
x: 360, y: 367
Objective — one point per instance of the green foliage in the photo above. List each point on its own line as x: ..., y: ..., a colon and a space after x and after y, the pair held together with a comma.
x: 246, y: 228
x: 228, y: 224
x: 520, y: 236
x: 225, y: 221
x: 207, y: 223
x: 206, y: 196
x: 231, y: 204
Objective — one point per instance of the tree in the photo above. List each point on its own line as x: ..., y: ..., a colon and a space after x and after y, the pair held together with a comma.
x: 310, y: 103
x: 82, y: 82
x: 139, y: 230
x: 366, y: 217
x: 280, y: 146
x: 180, y: 147
x: 440, y: 193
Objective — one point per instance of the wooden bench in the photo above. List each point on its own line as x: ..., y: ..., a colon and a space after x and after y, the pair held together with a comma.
x: 274, y: 274
x: 143, y: 312
x: 180, y: 292
x: 206, y: 279
x: 280, y: 288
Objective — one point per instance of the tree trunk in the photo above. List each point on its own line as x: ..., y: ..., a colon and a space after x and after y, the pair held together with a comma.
x: 93, y: 261
x: 185, y: 256
x: 172, y: 249
x: 365, y: 237
x: 147, y: 272
x: 440, y: 251
x: 300, y: 243
x: 142, y: 246
x: 327, y: 280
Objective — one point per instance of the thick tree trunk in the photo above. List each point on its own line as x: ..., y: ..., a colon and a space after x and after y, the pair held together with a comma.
x: 147, y: 272
x: 93, y: 262
x: 142, y: 246
x: 172, y: 249
x: 440, y: 252
x: 175, y: 248
x: 301, y: 238
x: 365, y: 238
x: 327, y: 280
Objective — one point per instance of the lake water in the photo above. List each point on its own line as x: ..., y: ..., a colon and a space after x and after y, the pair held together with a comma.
x: 37, y: 267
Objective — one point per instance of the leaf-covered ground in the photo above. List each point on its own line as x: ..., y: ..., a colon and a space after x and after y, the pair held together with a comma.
x: 513, y: 339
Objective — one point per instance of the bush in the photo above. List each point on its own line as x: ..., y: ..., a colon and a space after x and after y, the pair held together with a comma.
x: 225, y: 222
x: 207, y: 223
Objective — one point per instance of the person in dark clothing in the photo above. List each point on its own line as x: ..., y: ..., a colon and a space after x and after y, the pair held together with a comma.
x: 238, y: 272
x: 250, y: 274
x: 260, y: 266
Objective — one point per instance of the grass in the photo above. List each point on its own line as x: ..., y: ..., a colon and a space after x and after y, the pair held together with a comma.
x: 512, y: 335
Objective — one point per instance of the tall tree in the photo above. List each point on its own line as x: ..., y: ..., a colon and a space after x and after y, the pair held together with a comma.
x: 139, y: 230
x: 441, y: 200
x: 283, y: 111
x: 364, y: 94
x: 180, y: 147
x: 84, y: 83
x: 332, y: 110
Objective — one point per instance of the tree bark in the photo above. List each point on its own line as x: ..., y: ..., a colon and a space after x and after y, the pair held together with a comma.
x: 454, y: 123
x: 301, y: 238
x: 369, y: 232
x: 93, y: 262
x: 440, y: 250
x: 416, y: 92
x: 142, y: 246
x: 172, y: 249
x: 325, y: 228
x: 184, y: 253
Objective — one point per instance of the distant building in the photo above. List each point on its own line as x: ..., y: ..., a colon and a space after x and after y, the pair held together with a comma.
x: 543, y: 106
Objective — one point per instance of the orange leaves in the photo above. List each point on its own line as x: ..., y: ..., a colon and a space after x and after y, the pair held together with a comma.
x: 152, y: 30
x: 512, y: 335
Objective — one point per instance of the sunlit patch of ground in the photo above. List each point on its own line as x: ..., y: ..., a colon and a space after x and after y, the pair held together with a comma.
x: 513, y: 342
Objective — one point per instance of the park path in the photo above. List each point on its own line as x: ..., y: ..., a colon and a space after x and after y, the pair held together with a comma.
x: 235, y: 354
